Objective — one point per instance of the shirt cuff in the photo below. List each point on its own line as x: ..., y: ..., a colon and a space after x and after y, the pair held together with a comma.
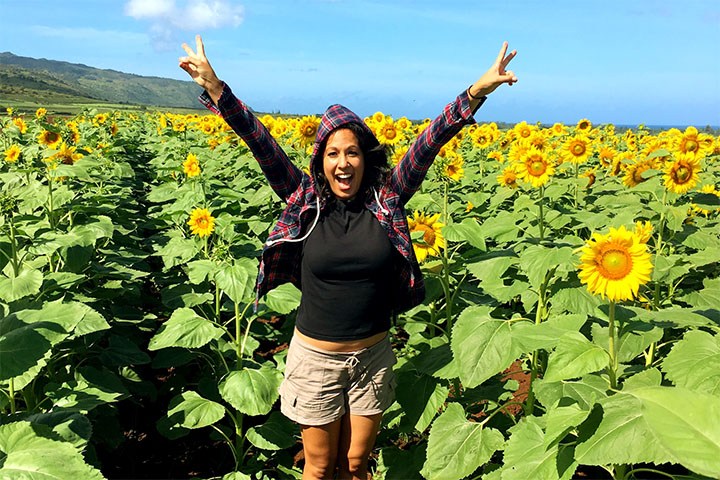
x: 465, y: 110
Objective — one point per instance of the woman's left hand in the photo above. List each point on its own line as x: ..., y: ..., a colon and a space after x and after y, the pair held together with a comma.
x: 496, y: 75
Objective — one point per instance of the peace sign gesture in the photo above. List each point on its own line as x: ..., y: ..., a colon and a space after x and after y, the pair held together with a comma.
x: 198, y: 67
x: 496, y: 75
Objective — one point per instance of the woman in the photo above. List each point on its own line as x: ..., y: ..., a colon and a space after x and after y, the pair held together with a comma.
x: 343, y: 239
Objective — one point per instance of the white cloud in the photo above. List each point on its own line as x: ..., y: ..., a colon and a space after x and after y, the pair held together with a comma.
x: 149, y: 8
x: 189, y: 15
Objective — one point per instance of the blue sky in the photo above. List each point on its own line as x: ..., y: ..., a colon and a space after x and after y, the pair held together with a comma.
x: 628, y: 62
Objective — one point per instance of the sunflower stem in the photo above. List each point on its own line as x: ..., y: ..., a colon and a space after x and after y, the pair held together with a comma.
x: 541, y: 216
x: 13, y: 245
x: 575, y: 200
x: 613, y: 365
x: 11, y: 396
x: 446, y: 268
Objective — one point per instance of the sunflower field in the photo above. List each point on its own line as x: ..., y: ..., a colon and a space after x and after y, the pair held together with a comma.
x: 571, y: 327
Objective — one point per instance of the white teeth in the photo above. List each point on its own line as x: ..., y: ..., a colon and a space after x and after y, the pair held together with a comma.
x: 344, y: 176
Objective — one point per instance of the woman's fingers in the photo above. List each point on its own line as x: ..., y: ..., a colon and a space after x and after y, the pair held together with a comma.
x: 199, y: 45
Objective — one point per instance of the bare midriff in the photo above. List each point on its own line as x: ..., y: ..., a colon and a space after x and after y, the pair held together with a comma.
x: 344, y: 345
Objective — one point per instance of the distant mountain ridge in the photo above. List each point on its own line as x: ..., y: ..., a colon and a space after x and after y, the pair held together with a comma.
x: 26, y: 77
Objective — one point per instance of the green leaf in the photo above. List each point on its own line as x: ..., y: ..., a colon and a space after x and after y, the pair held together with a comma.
x: 185, y: 328
x: 538, y: 261
x: 680, y: 422
x: 184, y: 295
x: 561, y: 419
x: 252, y: 392
x: 421, y: 397
x: 527, y: 454
x: 481, y: 345
x: 28, y: 455
x: 707, y: 297
x: 91, y: 388
x: 530, y: 336
x: 178, y: 251
x: 575, y: 300
x: 28, y: 282
x: 457, y: 447
x: 466, y: 231
x: 277, y: 433
x: 200, y: 270
x: 574, y: 357
x: 283, y: 299
x: 623, y: 436
x: 492, y: 267
x: 586, y: 391
x: 190, y: 410
x: 657, y: 425
x: 694, y: 362
x: 237, y: 280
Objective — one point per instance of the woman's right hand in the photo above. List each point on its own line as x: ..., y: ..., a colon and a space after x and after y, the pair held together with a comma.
x: 198, y: 67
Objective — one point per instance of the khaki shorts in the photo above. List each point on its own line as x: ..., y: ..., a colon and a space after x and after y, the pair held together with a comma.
x: 321, y: 386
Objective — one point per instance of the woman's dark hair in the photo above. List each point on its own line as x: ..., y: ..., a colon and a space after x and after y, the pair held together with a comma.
x: 374, y: 154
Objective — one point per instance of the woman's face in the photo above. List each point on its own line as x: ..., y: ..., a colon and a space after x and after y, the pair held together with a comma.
x: 343, y: 164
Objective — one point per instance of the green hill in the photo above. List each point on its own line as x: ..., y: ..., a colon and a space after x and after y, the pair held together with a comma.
x: 25, y: 80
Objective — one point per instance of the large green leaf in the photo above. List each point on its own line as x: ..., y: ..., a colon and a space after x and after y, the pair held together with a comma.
x: 28, y: 282
x: 657, y: 425
x: 531, y: 336
x: 90, y: 388
x: 586, y: 391
x: 457, y: 447
x: 420, y: 397
x: 185, y: 328
x: 283, y: 299
x: 622, y: 437
x: 707, y: 297
x: 575, y: 300
x: 538, y: 261
x: 28, y: 455
x: 250, y: 391
x: 200, y: 270
x: 694, y: 362
x: 466, y: 231
x: 237, y: 280
x: 574, y: 357
x: 27, y: 336
x: 277, y: 433
x: 527, y: 454
x: 481, y: 345
x: 190, y: 410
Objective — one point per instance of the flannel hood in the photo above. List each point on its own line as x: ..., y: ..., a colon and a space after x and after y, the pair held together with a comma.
x: 335, y: 117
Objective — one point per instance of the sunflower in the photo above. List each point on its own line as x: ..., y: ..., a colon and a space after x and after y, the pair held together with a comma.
x: 378, y: 117
x: 693, y: 142
x: 606, y: 156
x: 100, y: 119
x: 453, y: 169
x: 387, y: 133
x: 398, y: 154
x: 681, y: 175
x: 535, y: 168
x: 49, y: 138
x: 508, y: 178
x: 432, y: 240
x: 67, y: 155
x: 576, y: 149
x: 306, y: 130
x: 12, y: 154
x: 590, y: 175
x: 497, y: 156
x: 40, y: 113
x: 558, y: 129
x: 634, y: 172
x: 523, y: 130
x: 201, y: 222
x: 484, y: 136
x: 643, y: 231
x: 615, y: 265
x: 20, y: 124
x: 191, y: 166
x: 584, y: 126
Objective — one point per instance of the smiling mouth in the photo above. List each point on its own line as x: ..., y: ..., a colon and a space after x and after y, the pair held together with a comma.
x: 344, y: 178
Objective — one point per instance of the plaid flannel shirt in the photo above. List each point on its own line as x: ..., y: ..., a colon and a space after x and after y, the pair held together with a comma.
x: 280, y: 258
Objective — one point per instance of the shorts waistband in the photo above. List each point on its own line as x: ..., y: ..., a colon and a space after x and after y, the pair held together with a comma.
x: 307, y: 346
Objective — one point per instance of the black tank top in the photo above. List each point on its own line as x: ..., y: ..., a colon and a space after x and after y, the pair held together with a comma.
x: 346, y: 275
